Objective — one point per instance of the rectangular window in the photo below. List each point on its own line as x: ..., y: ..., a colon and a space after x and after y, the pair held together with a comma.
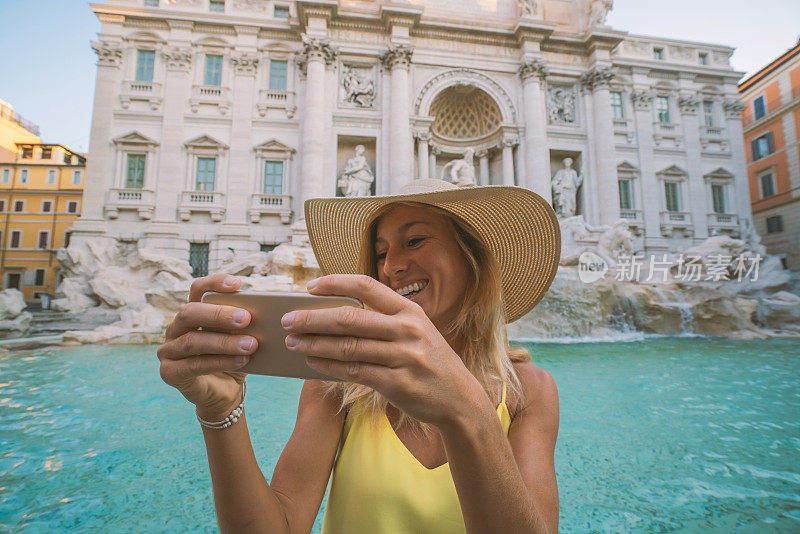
x: 38, y: 279
x: 702, y: 58
x: 47, y: 152
x: 273, y: 177
x: 150, y: 3
x: 767, y: 185
x: 134, y: 178
x: 16, y: 237
x: 47, y: 206
x: 23, y: 176
x: 51, y: 177
x: 762, y: 146
x: 14, y: 280
x: 67, y: 159
x: 708, y: 113
x: 625, y: 195
x: 6, y: 176
x: 145, y: 64
x: 718, y: 197
x: 658, y: 53
x: 267, y: 248
x: 198, y: 259
x: 19, y: 205
x: 67, y: 235
x: 759, y: 107
x: 2, y: 208
x: 281, y: 12
x: 775, y: 224
x: 217, y: 6
x: 662, y: 108
x: 76, y: 177
x: 277, y: 75
x: 206, y: 174
x: 44, y: 239
x: 72, y: 206
x: 213, y: 75
x: 27, y: 152
x: 671, y: 196
x: 616, y: 105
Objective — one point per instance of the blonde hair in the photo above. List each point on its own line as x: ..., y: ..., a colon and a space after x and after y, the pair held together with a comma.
x: 480, y: 323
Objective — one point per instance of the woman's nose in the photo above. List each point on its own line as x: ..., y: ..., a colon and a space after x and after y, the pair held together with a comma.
x: 394, y: 263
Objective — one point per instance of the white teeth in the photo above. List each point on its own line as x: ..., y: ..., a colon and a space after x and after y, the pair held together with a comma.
x: 411, y: 288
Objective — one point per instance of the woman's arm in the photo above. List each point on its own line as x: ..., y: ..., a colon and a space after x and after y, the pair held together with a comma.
x: 507, y: 484
x: 243, y: 499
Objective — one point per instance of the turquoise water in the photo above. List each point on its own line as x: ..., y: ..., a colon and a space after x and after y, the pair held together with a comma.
x: 664, y: 434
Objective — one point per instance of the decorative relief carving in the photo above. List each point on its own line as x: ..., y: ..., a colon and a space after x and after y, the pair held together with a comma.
x: 358, y: 86
x: 396, y: 56
x: 681, y: 52
x: 529, y: 8
x: 245, y: 64
x: 561, y: 107
x: 688, y: 104
x: 251, y: 5
x: 638, y: 48
x: 178, y: 58
x: 733, y: 108
x: 108, y: 54
x: 533, y: 67
x: 642, y: 99
x: 465, y: 76
x: 509, y: 141
x: 599, y: 11
x: 314, y: 48
x: 597, y: 77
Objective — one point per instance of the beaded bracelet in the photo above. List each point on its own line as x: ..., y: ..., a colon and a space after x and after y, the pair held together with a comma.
x: 228, y: 421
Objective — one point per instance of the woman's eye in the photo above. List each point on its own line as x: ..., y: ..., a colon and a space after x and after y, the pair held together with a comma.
x: 380, y: 256
x: 415, y: 241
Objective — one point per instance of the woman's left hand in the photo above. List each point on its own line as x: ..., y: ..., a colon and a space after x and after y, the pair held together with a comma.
x: 393, y: 348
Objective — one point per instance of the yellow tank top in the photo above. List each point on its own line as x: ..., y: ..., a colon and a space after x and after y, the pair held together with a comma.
x: 379, y: 487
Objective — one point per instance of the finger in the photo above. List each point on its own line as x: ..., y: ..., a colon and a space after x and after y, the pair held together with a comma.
x: 179, y: 373
x: 194, y: 315
x: 365, y: 288
x: 341, y: 321
x: 345, y: 348
x: 368, y: 374
x: 219, y: 282
x: 196, y: 343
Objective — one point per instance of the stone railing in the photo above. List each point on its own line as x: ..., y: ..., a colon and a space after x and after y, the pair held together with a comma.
x: 634, y: 219
x: 119, y: 199
x: 149, y: 92
x: 211, y: 202
x: 210, y: 94
x: 667, y: 131
x: 261, y: 204
x: 676, y: 220
x: 269, y: 99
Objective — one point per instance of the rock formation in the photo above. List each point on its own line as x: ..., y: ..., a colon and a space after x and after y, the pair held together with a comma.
x: 14, y: 320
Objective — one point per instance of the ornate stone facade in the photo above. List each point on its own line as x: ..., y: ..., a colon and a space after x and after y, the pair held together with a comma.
x: 244, y: 118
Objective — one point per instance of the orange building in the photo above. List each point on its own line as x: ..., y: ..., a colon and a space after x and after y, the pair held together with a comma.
x: 771, y: 125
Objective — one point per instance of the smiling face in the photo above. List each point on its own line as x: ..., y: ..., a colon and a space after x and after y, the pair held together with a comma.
x: 417, y: 255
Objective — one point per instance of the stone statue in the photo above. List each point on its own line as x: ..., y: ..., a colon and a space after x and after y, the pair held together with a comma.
x: 599, y: 11
x: 357, y: 90
x: 616, y: 241
x: 356, y: 179
x: 565, y: 186
x: 561, y: 105
x: 461, y: 172
x: 529, y: 8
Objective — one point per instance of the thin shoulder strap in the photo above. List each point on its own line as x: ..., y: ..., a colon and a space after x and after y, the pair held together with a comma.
x: 503, y: 399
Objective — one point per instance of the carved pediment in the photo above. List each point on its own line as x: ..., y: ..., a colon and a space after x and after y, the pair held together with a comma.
x: 626, y: 167
x: 134, y: 138
x: 719, y: 174
x: 273, y: 145
x: 206, y: 141
x: 673, y: 171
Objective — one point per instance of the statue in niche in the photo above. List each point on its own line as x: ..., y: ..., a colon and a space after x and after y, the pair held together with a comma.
x: 565, y: 186
x: 561, y: 105
x: 460, y: 172
x: 357, y: 90
x: 356, y: 179
x: 599, y: 11
x: 529, y: 8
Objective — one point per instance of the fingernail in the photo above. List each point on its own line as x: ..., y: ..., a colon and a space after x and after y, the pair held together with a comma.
x: 239, y: 316
x: 286, y: 320
x: 311, y: 284
x: 291, y: 341
x: 230, y: 281
x: 246, y: 343
x: 240, y: 360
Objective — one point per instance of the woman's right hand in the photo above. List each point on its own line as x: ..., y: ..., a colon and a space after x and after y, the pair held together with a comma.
x: 202, y: 365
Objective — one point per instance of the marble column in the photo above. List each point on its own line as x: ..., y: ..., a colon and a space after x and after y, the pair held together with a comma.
x: 434, y: 151
x: 650, y: 191
x: 239, y: 188
x: 317, y: 54
x: 733, y: 119
x: 398, y: 60
x: 508, y: 160
x: 483, y: 167
x: 533, y: 73
x: 697, y: 197
x: 422, y: 155
x: 596, y: 81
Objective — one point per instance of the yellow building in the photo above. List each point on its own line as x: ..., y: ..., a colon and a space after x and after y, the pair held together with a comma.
x: 41, y: 190
x: 14, y: 129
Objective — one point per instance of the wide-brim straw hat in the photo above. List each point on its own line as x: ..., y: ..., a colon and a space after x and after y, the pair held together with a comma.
x: 518, y: 226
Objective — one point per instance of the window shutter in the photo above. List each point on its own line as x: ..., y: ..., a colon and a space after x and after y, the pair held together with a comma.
x: 769, y: 142
x: 754, y: 149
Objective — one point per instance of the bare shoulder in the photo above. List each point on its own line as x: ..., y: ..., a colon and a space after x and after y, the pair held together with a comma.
x: 539, y: 390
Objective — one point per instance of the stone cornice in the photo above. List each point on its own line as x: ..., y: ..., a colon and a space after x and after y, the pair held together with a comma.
x: 529, y: 30
x: 603, y: 40
x: 733, y: 108
x: 393, y: 15
x: 325, y: 9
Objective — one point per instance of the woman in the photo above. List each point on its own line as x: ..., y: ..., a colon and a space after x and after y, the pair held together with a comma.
x: 435, y: 428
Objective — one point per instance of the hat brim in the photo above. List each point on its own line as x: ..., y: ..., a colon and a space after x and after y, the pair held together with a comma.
x: 517, y: 225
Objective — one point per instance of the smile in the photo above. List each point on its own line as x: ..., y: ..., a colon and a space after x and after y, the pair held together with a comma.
x: 412, y: 289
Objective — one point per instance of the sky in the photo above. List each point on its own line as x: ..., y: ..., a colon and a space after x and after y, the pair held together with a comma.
x: 48, y: 67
